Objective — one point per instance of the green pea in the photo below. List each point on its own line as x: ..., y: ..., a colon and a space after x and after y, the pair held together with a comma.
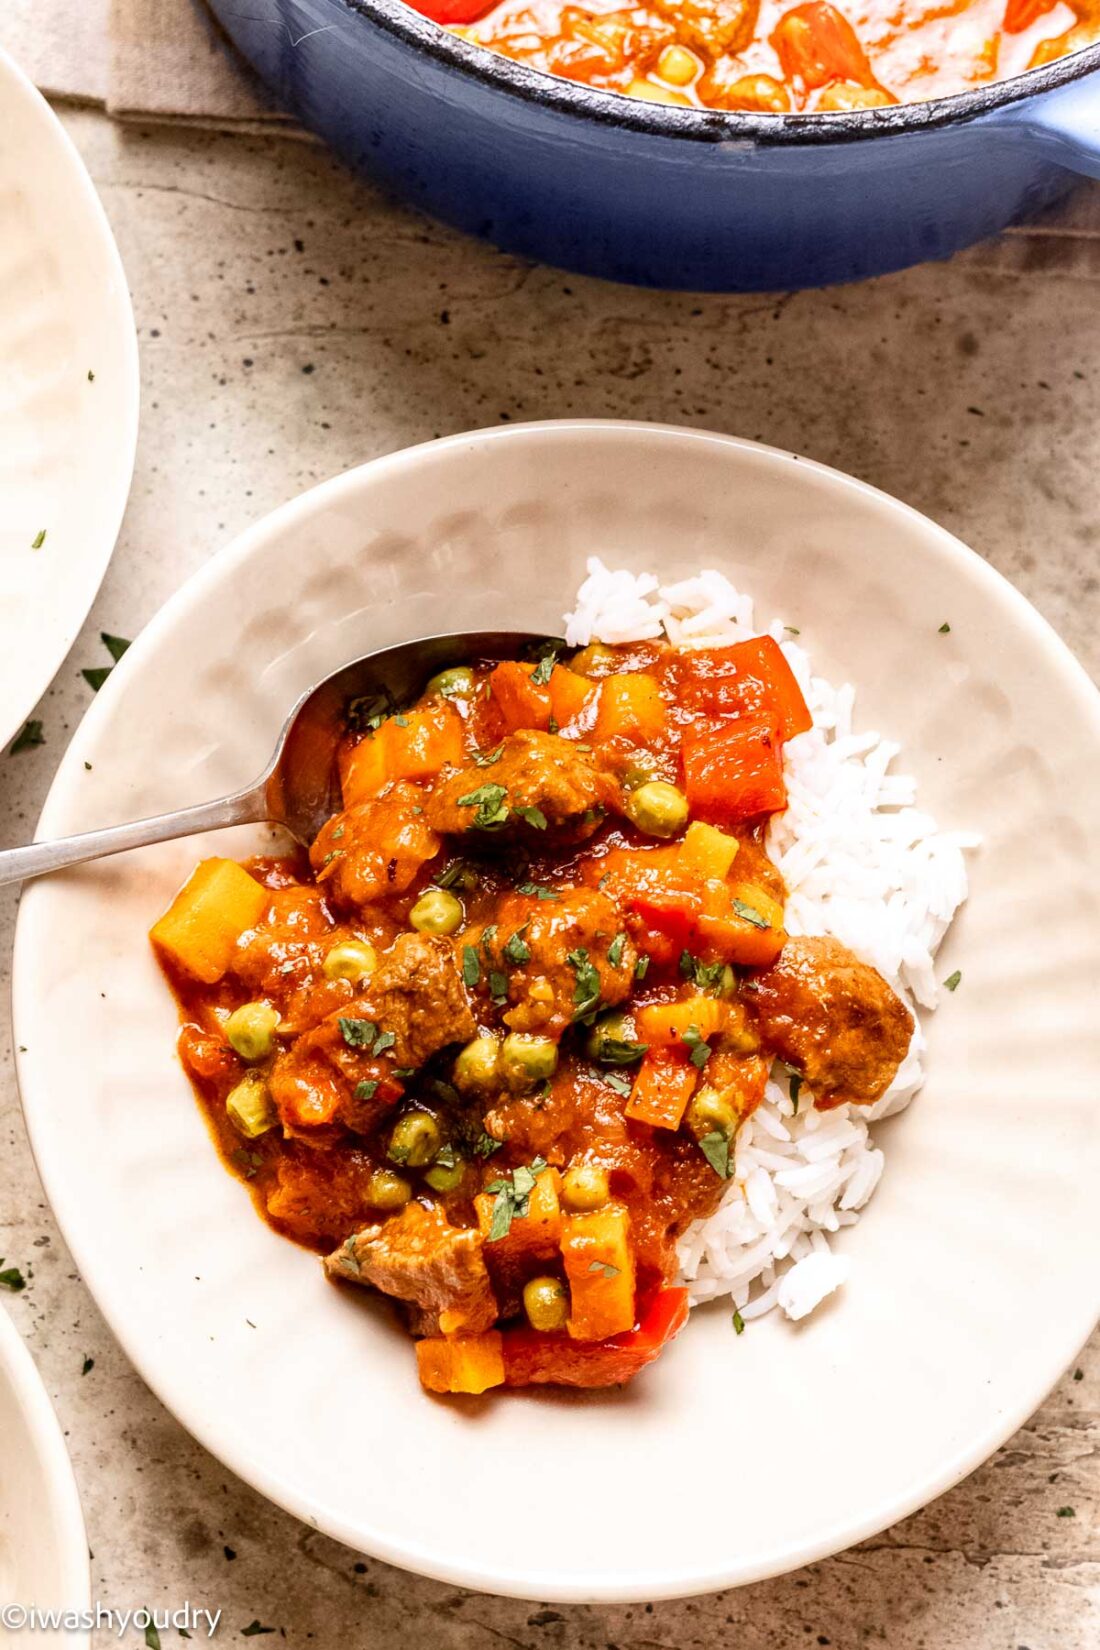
x: 250, y: 1107
x: 446, y: 1177
x: 350, y: 960
x: 250, y: 1030
x: 456, y: 683
x: 526, y: 1059
x: 710, y: 1113
x: 585, y: 1187
x: 546, y: 1303
x: 387, y: 1190
x: 436, y: 912
x: 415, y: 1139
x: 657, y: 808
x: 477, y: 1066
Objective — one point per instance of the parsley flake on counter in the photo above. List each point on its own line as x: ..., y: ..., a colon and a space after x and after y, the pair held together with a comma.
x: 253, y: 1628
x: 953, y: 980
x: 152, y: 1637
x: 30, y: 736
x: 116, y: 645
x: 96, y: 675
x: 39, y: 539
x: 945, y: 628
x: 1067, y: 1512
x: 12, y: 1279
x: 738, y: 1323
x: 490, y: 804
x: 87, y: 1366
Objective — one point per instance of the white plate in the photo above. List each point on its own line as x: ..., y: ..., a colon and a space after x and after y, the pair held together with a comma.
x: 43, y: 1548
x: 974, y: 1275
x: 66, y: 441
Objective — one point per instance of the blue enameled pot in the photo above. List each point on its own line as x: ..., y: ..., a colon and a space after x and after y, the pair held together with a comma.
x: 670, y: 197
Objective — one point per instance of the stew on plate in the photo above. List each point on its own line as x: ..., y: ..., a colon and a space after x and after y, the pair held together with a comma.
x: 488, y: 1046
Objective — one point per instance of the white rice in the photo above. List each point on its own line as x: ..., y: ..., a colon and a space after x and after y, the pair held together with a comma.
x: 861, y: 863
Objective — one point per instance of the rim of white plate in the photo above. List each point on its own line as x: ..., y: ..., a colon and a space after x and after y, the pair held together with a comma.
x: 72, y: 1559
x: 561, y: 1586
x: 61, y: 623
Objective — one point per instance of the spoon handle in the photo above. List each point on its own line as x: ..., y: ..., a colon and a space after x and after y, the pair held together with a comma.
x: 244, y: 808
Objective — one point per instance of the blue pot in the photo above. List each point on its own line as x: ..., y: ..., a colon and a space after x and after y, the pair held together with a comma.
x: 661, y: 196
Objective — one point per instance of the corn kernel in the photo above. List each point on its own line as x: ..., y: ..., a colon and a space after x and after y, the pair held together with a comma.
x: 678, y: 66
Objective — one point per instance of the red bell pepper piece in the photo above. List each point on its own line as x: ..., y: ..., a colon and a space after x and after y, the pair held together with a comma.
x: 533, y: 1359
x: 449, y: 12
x: 751, y: 680
x: 817, y: 44
x: 735, y: 772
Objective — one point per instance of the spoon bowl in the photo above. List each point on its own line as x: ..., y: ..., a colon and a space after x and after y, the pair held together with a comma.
x: 300, y: 787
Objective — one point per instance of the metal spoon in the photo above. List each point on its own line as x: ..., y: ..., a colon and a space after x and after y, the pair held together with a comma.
x: 300, y: 787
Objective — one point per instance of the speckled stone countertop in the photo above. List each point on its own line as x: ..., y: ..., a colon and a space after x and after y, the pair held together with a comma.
x: 293, y: 323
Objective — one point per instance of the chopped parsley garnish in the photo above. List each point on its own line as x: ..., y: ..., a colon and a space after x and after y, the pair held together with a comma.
x: 471, y: 965
x: 715, y: 1147
x: 489, y: 802
x: 338, y: 833
x: 603, y: 1269
x: 794, y: 1088
x: 543, y: 670
x: 553, y: 725
x: 615, y: 950
x: 357, y: 1033
x: 617, y: 1051
x: 446, y: 1157
x: 116, y: 645
x: 511, y: 1198
x: 458, y: 872
x: 953, y: 980
x: 586, y: 992
x: 750, y: 914
x: 593, y: 816
x: 641, y: 968
x: 517, y: 950
x: 39, y: 539
x: 12, y: 1279
x: 404, y: 1071
x: 738, y: 1323
x: 533, y: 816
x: 401, y: 721
x: 485, y: 1145
x: 615, y: 1080
x: 366, y: 1089
x: 706, y: 976
x: 246, y: 1163
x: 488, y: 935
x: 498, y: 987
x: 384, y: 1040
x: 697, y: 1043
x: 537, y: 890
x: 30, y: 736
x: 485, y: 759
x: 945, y: 628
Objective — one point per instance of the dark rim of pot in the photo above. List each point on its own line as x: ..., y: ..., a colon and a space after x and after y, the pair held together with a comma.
x: 711, y: 125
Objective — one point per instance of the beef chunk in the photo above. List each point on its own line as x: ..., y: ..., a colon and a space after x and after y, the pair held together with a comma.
x: 563, y: 946
x: 417, y: 993
x: 831, y: 1017
x: 535, y: 771
x: 419, y: 1257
